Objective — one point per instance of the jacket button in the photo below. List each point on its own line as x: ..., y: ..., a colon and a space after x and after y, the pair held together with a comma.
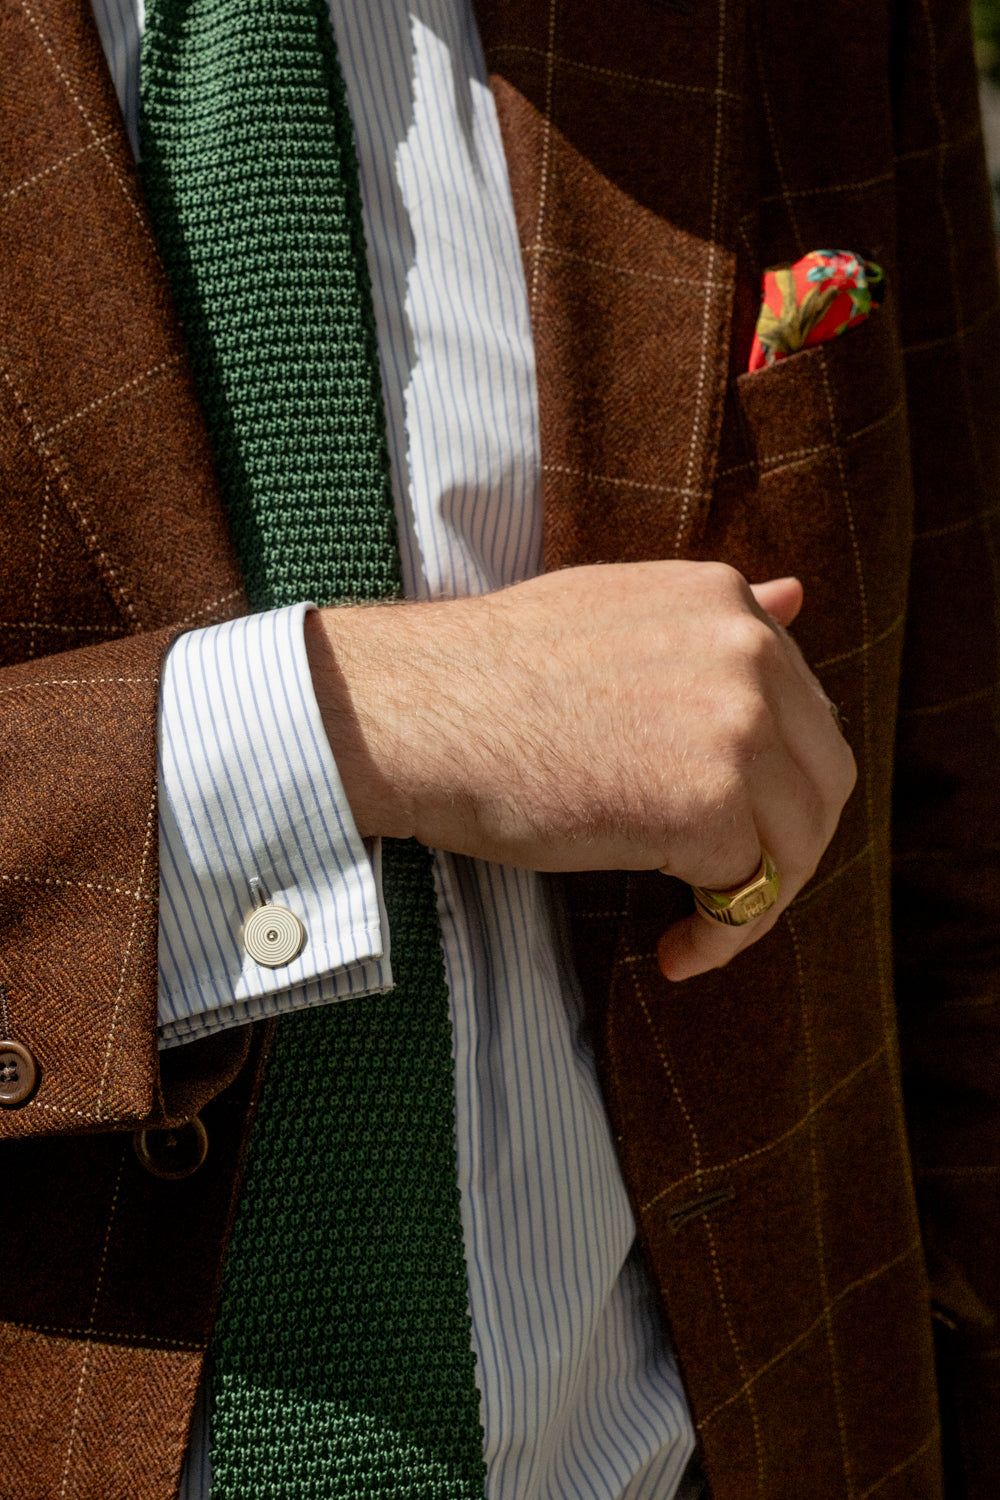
x: 172, y: 1153
x: 18, y: 1074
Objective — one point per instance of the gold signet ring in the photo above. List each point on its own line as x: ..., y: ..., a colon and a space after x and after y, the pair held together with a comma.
x: 741, y: 903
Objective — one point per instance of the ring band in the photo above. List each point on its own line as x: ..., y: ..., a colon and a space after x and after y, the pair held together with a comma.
x: 741, y: 903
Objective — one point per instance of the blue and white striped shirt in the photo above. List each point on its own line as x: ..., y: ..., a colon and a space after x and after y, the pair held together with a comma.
x: 580, y: 1396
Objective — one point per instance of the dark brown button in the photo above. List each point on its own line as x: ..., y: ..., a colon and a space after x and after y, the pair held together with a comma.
x: 173, y: 1153
x: 18, y: 1074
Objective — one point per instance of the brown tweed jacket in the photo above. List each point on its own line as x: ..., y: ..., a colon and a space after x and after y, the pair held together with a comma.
x: 769, y: 1117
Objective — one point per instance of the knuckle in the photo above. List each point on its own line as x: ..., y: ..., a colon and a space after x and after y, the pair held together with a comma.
x: 753, y: 651
x: 763, y: 649
x: 726, y: 580
x: 721, y: 851
x: 747, y: 727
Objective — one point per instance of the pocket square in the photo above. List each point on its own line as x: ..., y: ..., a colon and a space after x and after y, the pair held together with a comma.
x: 817, y: 298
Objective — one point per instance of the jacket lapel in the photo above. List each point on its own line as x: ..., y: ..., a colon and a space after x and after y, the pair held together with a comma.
x: 94, y: 365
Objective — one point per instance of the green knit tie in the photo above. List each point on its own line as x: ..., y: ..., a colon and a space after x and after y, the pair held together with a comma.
x: 342, y: 1359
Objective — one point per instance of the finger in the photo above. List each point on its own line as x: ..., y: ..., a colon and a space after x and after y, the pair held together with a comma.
x: 812, y: 733
x: 794, y: 827
x: 697, y: 944
x: 794, y: 792
x: 808, y: 721
x: 781, y: 598
x: 782, y: 607
x: 723, y: 852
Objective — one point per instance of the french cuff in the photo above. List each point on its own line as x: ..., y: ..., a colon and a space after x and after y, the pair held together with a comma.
x: 250, y: 793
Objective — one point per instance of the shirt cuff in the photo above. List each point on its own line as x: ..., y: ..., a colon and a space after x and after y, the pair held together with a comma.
x: 249, y: 790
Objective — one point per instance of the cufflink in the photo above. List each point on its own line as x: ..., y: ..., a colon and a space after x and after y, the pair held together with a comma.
x: 272, y: 935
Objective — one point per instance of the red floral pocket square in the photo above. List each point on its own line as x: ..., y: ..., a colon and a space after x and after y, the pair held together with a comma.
x: 817, y: 298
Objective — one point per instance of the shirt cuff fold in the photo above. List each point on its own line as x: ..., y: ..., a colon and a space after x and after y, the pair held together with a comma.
x: 249, y: 790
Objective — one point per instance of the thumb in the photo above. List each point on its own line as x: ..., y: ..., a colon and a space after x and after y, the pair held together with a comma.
x: 779, y: 597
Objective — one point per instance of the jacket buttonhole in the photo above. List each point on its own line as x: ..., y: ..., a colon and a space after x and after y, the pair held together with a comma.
x: 695, y: 1207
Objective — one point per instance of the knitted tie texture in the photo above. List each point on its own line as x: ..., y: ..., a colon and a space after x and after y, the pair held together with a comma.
x: 342, y: 1362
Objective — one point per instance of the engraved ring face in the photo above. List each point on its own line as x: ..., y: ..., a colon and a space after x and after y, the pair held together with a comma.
x: 272, y: 935
x: 744, y: 903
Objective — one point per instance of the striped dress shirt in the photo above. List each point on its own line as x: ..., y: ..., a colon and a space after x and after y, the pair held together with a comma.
x: 580, y: 1395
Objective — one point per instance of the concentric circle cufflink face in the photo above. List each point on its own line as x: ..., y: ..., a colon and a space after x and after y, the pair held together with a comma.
x: 273, y: 935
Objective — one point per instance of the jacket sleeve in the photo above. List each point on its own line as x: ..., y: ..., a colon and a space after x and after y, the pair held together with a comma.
x: 947, y: 794
x: 78, y: 843
x: 112, y: 541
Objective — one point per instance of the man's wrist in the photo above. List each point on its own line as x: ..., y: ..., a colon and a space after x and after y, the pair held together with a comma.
x: 349, y: 662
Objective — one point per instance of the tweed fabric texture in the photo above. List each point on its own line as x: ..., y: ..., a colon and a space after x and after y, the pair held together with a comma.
x: 341, y: 1360
x: 849, y: 466
x: 96, y: 401
x: 657, y: 165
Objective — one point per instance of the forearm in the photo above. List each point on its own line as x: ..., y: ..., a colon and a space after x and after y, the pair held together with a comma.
x: 650, y: 716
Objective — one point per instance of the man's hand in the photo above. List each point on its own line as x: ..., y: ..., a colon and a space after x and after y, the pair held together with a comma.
x: 640, y: 716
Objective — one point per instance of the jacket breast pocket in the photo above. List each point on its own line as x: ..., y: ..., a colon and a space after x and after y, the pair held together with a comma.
x: 815, y: 480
